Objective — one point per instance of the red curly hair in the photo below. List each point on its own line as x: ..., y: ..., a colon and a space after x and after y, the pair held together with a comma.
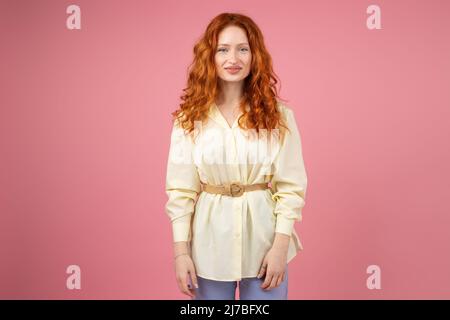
x: 260, y: 92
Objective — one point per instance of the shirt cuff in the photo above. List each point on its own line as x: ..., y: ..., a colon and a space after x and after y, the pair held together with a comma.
x: 284, y: 225
x: 181, y: 228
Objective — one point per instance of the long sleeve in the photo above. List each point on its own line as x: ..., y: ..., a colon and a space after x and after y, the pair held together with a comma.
x: 289, y: 180
x: 182, y: 184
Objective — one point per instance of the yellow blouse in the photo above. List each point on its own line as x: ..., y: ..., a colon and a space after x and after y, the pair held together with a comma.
x: 228, y: 236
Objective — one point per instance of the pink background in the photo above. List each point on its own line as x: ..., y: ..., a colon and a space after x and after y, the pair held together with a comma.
x: 84, y: 136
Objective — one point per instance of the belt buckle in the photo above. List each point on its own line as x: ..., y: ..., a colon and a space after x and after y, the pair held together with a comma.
x: 235, y: 189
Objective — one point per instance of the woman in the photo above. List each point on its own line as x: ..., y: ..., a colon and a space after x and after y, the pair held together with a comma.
x: 236, y: 180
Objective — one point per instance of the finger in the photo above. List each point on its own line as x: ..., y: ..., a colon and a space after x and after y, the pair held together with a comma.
x: 181, y: 285
x: 191, y: 290
x: 184, y: 286
x: 273, y: 283
x: 280, y: 280
x: 262, y: 270
x: 267, y: 280
x: 194, y: 279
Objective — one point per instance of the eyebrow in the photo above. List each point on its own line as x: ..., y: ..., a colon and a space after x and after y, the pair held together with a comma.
x: 225, y: 44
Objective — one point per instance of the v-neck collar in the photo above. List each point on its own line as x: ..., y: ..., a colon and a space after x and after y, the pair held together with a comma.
x: 217, y: 116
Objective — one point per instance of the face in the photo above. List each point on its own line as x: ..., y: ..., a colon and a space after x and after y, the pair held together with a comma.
x: 233, y: 56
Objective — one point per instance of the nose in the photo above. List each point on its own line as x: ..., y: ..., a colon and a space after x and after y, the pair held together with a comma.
x: 234, y: 56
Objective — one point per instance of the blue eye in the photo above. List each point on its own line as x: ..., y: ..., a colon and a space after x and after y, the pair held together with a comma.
x: 223, y: 49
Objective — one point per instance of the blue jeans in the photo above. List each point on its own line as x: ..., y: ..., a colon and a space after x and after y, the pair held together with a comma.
x: 249, y: 289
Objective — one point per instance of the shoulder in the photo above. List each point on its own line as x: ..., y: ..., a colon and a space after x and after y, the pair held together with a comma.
x: 285, y: 109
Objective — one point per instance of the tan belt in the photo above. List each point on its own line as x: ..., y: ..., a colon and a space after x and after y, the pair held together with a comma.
x: 234, y: 189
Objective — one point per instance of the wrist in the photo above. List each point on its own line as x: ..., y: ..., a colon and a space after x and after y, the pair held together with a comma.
x: 281, y: 241
x: 180, y: 254
x: 180, y: 247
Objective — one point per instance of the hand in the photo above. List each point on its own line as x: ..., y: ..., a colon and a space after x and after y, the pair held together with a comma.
x: 274, y: 263
x: 184, y: 267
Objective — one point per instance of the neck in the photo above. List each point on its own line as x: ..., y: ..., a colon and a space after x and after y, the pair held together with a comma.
x: 231, y: 94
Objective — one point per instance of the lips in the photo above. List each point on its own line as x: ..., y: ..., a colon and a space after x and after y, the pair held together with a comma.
x: 233, y: 68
